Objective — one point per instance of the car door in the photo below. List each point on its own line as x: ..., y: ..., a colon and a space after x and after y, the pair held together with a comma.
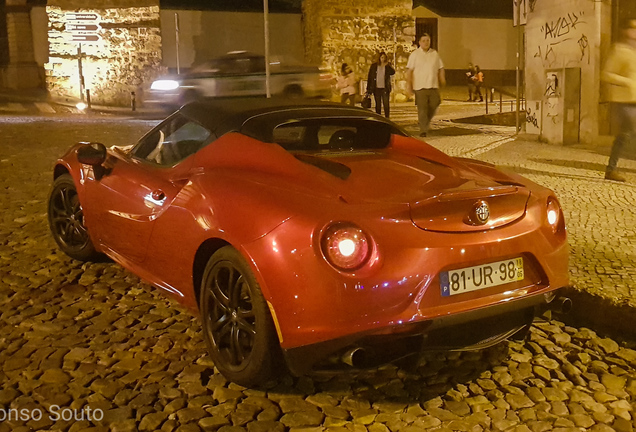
x: 141, y: 184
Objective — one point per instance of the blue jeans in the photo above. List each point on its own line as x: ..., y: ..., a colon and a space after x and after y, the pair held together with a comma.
x: 627, y: 117
x: 427, y: 101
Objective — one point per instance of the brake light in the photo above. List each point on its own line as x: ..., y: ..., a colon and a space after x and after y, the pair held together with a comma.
x: 554, y: 213
x: 345, y: 246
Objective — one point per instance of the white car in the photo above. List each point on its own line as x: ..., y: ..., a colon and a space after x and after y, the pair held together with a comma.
x: 239, y: 74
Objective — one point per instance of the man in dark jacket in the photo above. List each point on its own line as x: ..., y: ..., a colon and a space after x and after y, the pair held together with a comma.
x: 379, y: 83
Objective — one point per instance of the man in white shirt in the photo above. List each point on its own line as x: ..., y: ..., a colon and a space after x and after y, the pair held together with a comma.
x: 424, y: 75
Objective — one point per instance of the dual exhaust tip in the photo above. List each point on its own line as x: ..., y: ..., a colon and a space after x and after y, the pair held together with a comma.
x: 358, y: 357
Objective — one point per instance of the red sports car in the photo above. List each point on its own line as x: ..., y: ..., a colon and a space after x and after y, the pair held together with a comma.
x: 315, y: 234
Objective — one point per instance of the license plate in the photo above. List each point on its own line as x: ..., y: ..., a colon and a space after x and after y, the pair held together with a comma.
x: 482, y: 276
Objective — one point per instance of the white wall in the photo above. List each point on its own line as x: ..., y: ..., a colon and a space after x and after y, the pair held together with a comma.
x: 490, y: 43
x: 208, y: 34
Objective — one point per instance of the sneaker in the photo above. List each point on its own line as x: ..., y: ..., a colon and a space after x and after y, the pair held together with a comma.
x: 613, y: 175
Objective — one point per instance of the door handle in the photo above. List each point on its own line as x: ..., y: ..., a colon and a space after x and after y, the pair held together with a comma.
x: 158, y: 195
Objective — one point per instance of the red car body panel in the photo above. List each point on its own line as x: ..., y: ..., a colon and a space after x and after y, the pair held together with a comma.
x: 410, y: 199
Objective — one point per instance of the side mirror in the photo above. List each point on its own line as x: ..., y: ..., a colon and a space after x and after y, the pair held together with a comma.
x: 90, y: 153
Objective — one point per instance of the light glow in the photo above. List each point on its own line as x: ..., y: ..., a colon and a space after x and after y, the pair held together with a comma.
x: 552, y: 217
x: 347, y: 247
x: 164, y: 85
x: 80, y: 106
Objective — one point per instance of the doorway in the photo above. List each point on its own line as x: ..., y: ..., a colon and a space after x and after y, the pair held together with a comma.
x: 429, y: 26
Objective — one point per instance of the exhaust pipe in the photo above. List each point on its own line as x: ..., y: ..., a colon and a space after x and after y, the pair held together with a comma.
x: 562, y: 305
x: 355, y: 357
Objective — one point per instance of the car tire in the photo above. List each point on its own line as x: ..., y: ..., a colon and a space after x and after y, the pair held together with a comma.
x: 237, y: 325
x: 293, y: 92
x: 66, y: 221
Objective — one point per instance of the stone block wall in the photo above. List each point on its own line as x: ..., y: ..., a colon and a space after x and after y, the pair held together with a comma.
x: 354, y: 31
x: 125, y: 59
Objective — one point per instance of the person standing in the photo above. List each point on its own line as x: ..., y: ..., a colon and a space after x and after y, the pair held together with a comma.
x: 470, y: 82
x: 379, y: 83
x: 478, y: 79
x: 347, y: 85
x: 620, y: 73
x: 424, y: 75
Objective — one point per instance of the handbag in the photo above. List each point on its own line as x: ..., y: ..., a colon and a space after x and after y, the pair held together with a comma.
x: 366, y: 101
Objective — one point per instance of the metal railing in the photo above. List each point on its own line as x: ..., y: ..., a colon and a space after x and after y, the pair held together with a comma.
x: 490, y: 94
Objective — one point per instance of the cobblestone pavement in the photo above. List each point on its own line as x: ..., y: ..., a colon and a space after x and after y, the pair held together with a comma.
x: 89, y: 347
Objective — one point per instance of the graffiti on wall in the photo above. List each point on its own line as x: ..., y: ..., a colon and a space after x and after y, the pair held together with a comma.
x: 562, y: 26
x: 552, y: 96
x: 559, y: 36
x: 531, y: 117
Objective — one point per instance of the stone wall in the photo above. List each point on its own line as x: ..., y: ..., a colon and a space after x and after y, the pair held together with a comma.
x: 354, y: 31
x: 126, y: 57
x: 18, y: 69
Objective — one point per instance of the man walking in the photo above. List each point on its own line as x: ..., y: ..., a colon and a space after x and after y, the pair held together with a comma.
x: 424, y: 75
x: 620, y: 73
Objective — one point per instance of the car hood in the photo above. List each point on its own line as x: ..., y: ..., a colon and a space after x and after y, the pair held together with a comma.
x: 443, y: 193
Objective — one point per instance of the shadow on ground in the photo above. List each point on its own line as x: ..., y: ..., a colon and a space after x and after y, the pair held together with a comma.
x: 497, y: 119
x: 453, y: 131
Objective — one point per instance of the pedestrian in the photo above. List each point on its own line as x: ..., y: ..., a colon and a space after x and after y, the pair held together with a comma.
x: 347, y: 85
x: 478, y: 79
x: 470, y: 82
x: 379, y: 83
x: 424, y: 75
x: 620, y: 73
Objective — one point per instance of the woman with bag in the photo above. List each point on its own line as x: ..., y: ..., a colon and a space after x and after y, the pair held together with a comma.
x: 379, y: 83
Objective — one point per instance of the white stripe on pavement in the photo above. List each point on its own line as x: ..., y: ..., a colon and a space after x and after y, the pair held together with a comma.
x: 490, y: 146
x: 44, y: 107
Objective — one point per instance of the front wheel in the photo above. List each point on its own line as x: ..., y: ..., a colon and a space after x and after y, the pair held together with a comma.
x: 237, y: 325
x: 66, y: 220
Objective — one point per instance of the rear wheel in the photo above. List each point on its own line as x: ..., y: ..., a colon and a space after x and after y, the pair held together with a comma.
x: 237, y: 325
x: 293, y: 92
x: 66, y: 220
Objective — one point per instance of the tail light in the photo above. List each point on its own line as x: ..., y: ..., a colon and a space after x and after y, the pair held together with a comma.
x: 345, y: 246
x: 554, y: 214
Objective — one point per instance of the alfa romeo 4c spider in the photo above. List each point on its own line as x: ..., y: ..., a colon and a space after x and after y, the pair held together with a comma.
x: 315, y: 236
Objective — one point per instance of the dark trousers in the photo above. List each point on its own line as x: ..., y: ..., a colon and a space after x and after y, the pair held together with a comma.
x: 381, y: 97
x: 627, y: 117
x: 427, y: 101
x: 478, y: 92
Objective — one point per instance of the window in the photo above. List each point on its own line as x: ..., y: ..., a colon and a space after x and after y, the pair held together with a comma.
x: 335, y: 134
x: 172, y: 141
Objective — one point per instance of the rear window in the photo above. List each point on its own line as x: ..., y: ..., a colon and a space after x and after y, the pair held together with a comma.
x: 333, y: 134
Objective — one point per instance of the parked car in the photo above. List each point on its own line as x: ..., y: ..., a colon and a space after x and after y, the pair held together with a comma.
x: 239, y: 74
x: 314, y: 234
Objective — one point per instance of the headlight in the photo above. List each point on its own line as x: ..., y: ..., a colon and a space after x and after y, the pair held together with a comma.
x: 345, y: 246
x: 164, y: 85
x: 554, y: 213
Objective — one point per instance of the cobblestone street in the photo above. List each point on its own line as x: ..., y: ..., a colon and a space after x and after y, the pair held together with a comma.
x: 84, y: 339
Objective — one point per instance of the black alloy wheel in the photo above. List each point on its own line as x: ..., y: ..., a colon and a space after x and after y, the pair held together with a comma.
x: 237, y: 325
x: 66, y: 220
